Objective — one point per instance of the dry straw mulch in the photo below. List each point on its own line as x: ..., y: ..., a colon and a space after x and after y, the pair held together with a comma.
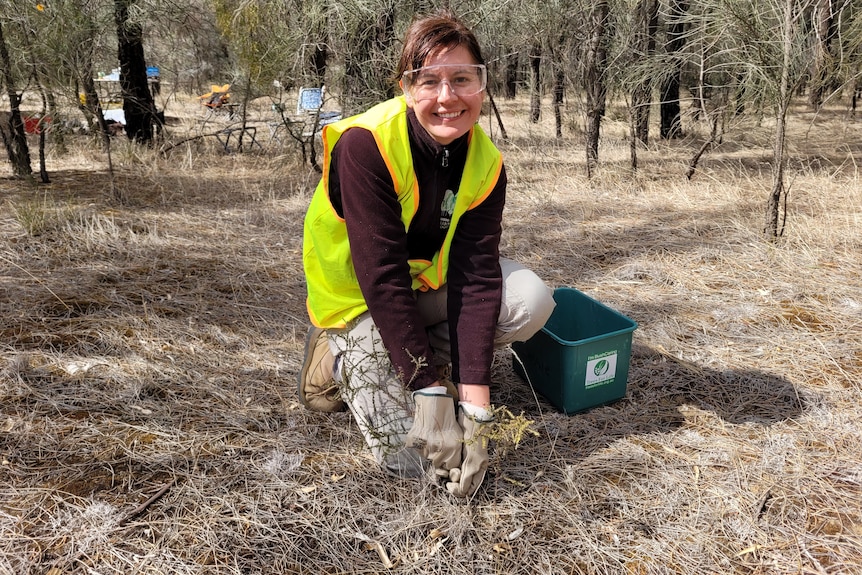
x: 150, y: 422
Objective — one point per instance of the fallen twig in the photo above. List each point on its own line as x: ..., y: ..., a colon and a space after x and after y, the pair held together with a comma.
x: 143, y: 506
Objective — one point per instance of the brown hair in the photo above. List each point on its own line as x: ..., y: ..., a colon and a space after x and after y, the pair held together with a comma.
x: 433, y: 34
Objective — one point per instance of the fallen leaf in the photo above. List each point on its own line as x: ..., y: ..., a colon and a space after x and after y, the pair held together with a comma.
x: 436, y: 547
x: 748, y: 550
x: 515, y: 534
x: 373, y: 544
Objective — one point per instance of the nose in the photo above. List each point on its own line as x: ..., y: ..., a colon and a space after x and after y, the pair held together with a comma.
x: 449, y: 94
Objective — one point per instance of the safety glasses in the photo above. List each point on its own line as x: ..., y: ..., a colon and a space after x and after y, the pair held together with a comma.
x: 427, y: 82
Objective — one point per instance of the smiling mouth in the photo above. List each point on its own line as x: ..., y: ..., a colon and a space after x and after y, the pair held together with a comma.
x: 449, y: 116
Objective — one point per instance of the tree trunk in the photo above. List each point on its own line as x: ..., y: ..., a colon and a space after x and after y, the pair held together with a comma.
x: 319, y: 61
x: 503, y: 133
x: 646, y: 24
x: 138, y: 107
x: 15, y: 139
x: 535, y: 82
x: 857, y: 94
x: 825, y: 29
x: 671, y: 124
x: 595, y: 63
x: 43, y: 127
x: 779, y: 159
x: 714, y: 137
x: 559, y: 92
x: 511, y: 75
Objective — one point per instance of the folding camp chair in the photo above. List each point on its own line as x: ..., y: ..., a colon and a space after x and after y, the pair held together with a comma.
x: 217, y: 100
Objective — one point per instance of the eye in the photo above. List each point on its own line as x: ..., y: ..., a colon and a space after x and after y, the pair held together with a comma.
x: 461, y: 80
x: 427, y: 82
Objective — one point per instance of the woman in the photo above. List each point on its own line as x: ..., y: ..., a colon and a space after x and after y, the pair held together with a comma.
x: 404, y: 276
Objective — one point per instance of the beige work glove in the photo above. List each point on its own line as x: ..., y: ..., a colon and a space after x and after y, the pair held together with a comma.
x: 465, y: 480
x: 436, y: 434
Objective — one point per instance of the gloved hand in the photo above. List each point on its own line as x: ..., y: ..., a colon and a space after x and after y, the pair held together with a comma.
x: 436, y: 434
x: 466, y: 480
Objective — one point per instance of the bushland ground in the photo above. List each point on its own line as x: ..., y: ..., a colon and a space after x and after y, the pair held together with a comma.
x: 149, y: 420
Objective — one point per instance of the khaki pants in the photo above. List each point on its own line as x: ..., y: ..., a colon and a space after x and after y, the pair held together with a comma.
x: 380, y: 403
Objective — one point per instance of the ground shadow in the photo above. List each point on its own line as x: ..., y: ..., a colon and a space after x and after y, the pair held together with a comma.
x: 661, y: 390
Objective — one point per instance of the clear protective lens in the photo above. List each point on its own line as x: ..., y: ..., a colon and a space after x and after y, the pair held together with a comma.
x: 427, y: 82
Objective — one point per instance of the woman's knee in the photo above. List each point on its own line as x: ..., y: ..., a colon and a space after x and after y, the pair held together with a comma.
x: 527, y: 302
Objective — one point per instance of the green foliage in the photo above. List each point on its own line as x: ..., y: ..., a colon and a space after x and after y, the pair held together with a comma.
x: 728, y: 42
x: 240, y: 23
x: 508, y: 429
x: 40, y: 216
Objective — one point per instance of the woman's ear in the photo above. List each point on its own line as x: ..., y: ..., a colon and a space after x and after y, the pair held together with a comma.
x: 406, y: 93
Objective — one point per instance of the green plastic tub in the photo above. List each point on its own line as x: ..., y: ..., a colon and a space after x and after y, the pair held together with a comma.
x: 580, y: 358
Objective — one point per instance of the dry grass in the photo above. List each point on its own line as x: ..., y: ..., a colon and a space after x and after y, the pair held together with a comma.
x: 149, y: 417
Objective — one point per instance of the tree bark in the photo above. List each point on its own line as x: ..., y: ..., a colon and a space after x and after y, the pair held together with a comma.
x: 646, y: 24
x: 511, y: 75
x: 319, y: 61
x: 138, y: 106
x: 595, y: 63
x: 825, y: 29
x: 15, y: 140
x: 857, y: 95
x: 503, y: 133
x: 559, y: 92
x: 779, y: 156
x: 535, y: 82
x: 671, y: 123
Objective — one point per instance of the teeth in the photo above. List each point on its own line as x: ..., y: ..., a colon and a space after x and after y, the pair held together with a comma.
x: 449, y: 116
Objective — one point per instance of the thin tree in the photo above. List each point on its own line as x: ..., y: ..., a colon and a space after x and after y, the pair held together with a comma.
x: 825, y: 26
x: 595, y: 64
x: 643, y: 47
x: 774, y: 228
x: 511, y: 75
x: 671, y: 123
x: 535, y: 59
x: 559, y: 93
x: 559, y: 47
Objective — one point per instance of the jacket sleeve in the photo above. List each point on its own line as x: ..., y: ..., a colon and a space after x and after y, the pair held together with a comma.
x: 475, y: 288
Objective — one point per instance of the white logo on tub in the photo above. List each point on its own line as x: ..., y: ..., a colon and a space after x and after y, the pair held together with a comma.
x: 601, y: 369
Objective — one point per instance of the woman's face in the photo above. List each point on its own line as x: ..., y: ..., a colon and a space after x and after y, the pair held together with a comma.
x: 448, y: 116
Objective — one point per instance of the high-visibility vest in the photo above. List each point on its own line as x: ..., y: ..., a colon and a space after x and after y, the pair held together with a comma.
x: 334, y: 297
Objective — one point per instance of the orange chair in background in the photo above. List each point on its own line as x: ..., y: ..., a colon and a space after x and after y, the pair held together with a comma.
x: 218, y: 99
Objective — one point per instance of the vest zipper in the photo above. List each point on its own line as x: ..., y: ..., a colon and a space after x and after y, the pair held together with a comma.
x: 444, y: 161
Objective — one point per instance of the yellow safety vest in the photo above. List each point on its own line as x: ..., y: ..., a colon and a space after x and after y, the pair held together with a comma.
x: 334, y: 297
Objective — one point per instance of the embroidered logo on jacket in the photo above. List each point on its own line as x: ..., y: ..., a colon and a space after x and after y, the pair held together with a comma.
x: 447, y: 208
